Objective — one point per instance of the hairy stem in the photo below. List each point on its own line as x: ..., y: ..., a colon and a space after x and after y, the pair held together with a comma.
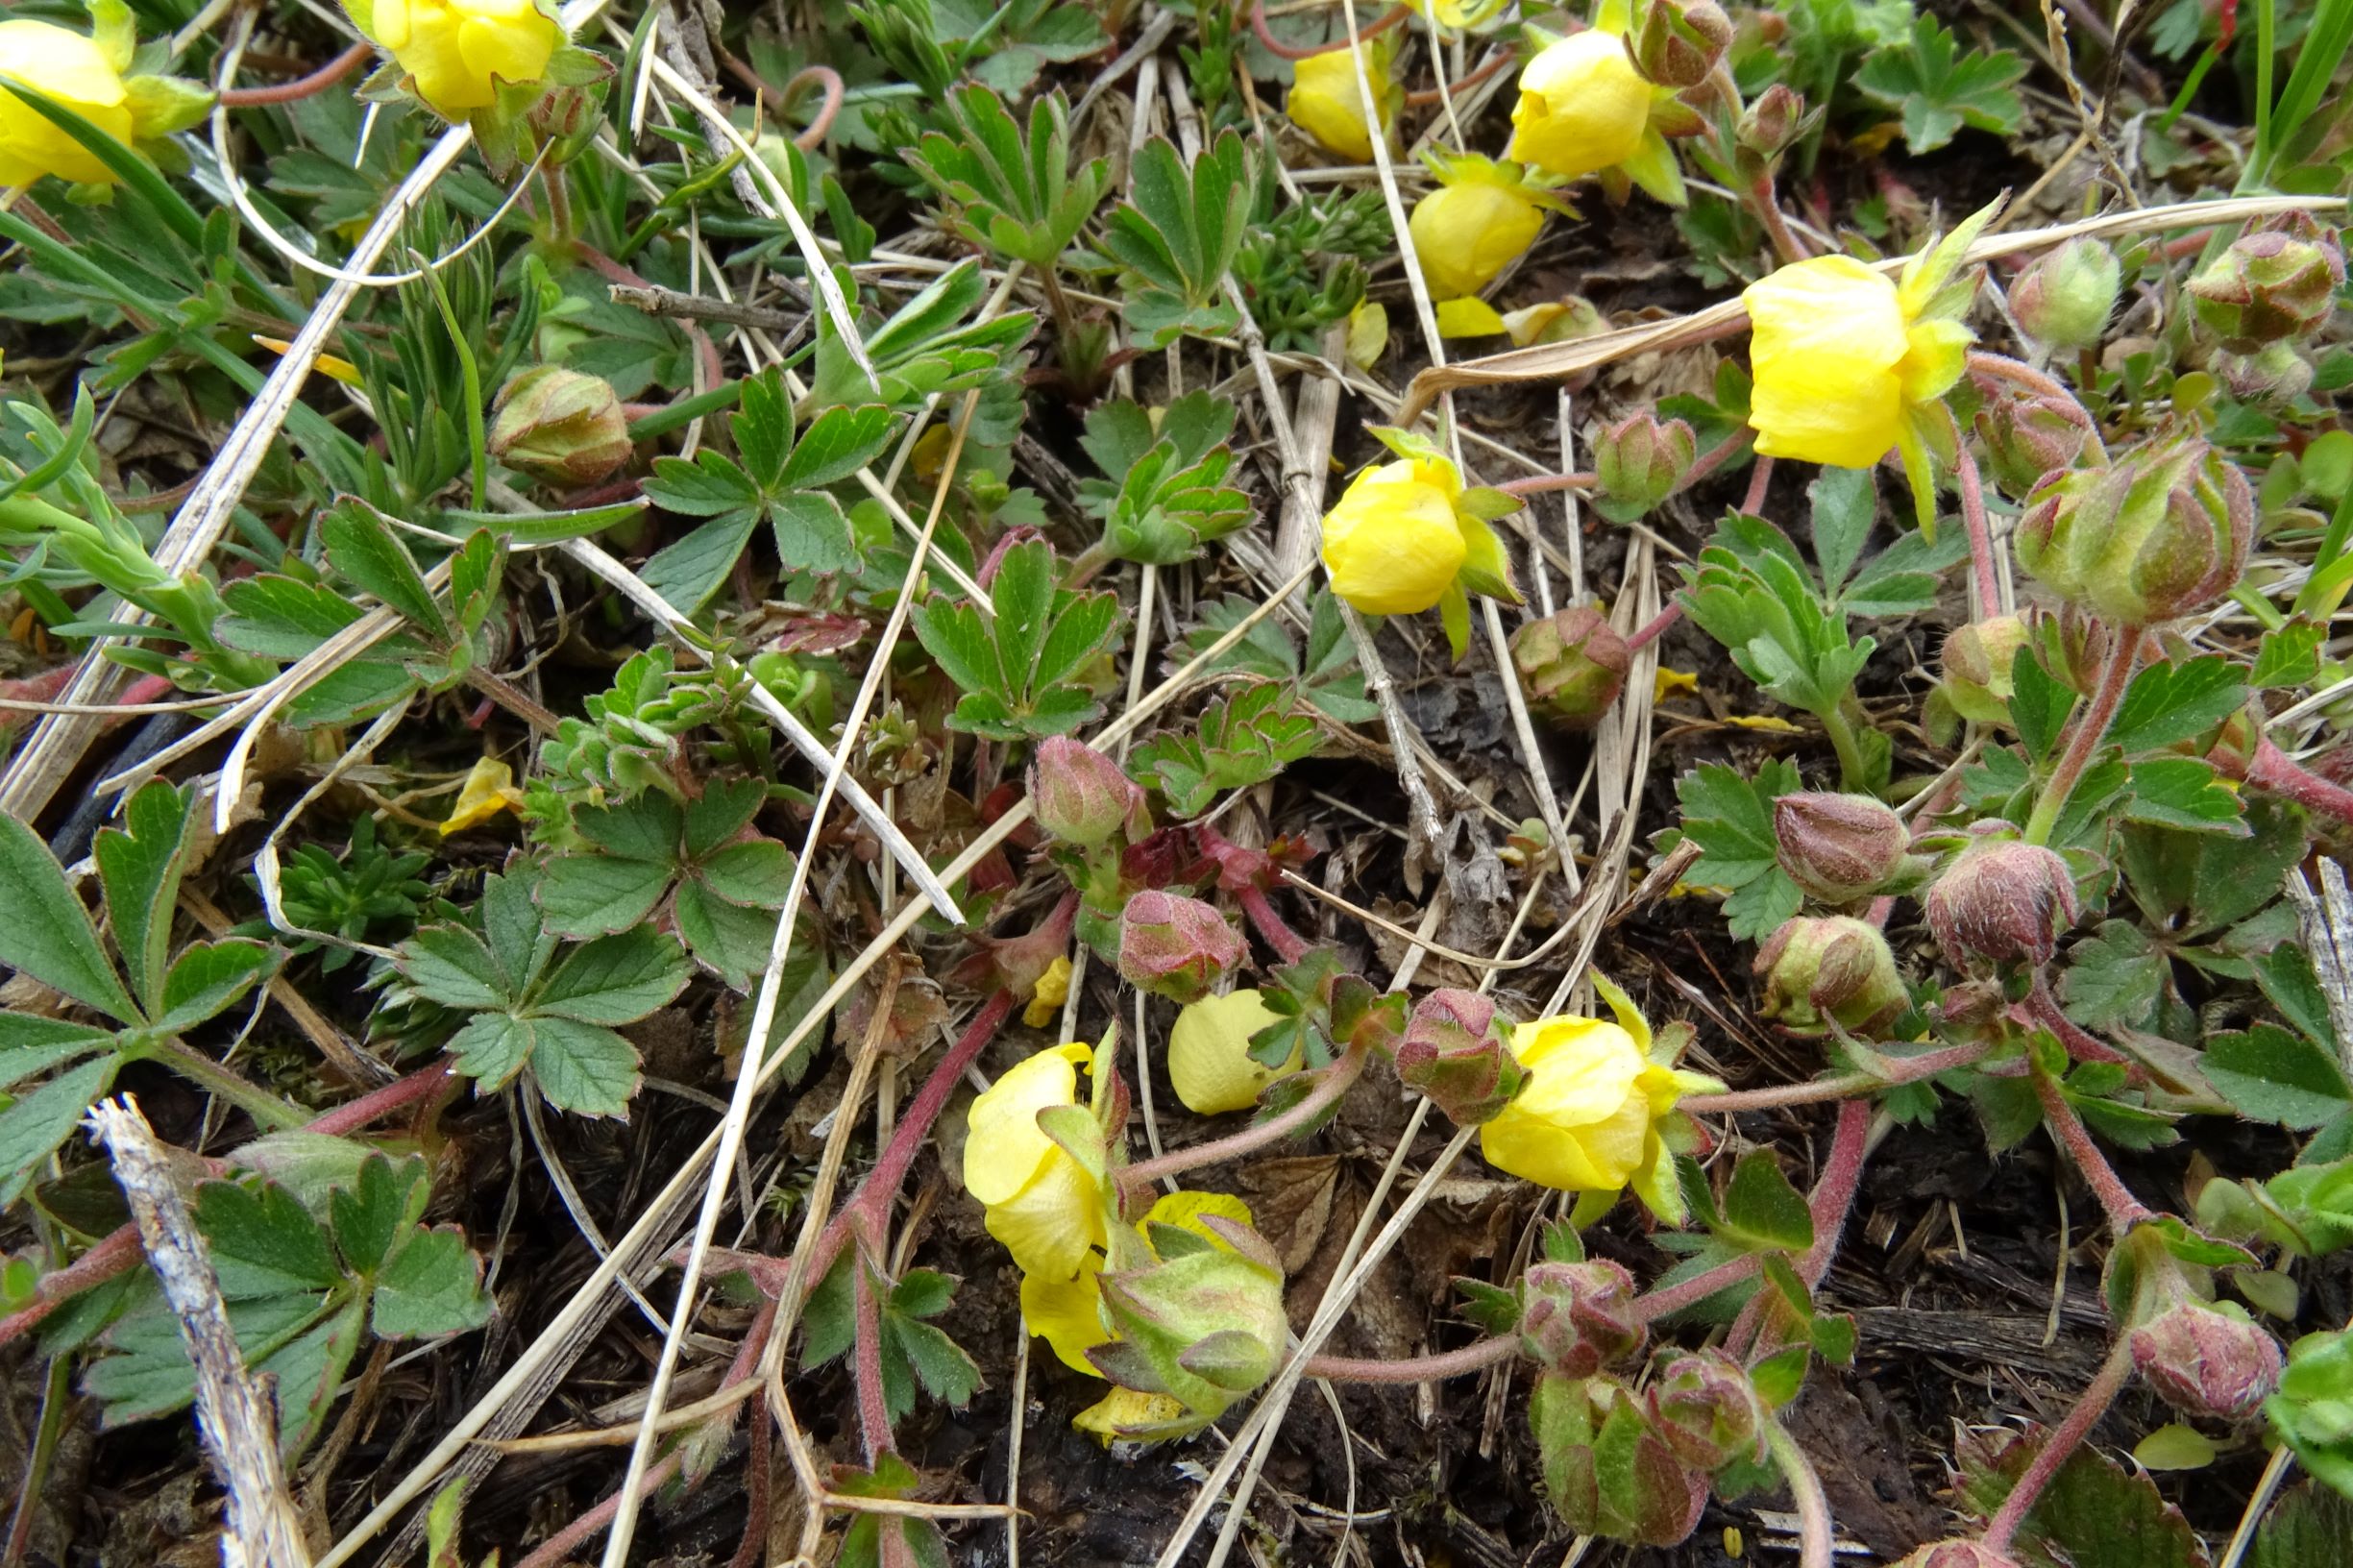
x: 1658, y: 626
x: 1814, y: 1531
x: 1451, y: 1363
x: 2124, y: 1211
x: 2275, y: 770
x: 2080, y: 1043
x: 306, y: 87
x: 873, y: 1409
x: 2086, y: 732
x: 2056, y: 1449
x: 1830, y: 1204
x: 271, y: 1112
x: 1334, y: 1083
x: 1767, y: 206
x: 1666, y: 1299
x: 1980, y: 535
x: 1852, y: 772
x: 1905, y: 1070
x: 1270, y: 924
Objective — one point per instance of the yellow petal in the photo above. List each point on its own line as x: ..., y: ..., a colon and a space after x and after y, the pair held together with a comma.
x: 1669, y: 683
x: 488, y: 790
x: 1051, y: 1222
x: 1581, y: 1122
x: 1369, y: 334
x: 1069, y: 1314
x: 1209, y: 1053
x: 326, y: 364
x: 1466, y: 234
x: 1827, y: 338
x: 1123, y: 1411
x: 1185, y: 1208
x: 1469, y: 317
x: 1004, y: 1149
x: 70, y: 69
x: 1326, y: 103
x: 1393, y: 545
x: 1046, y: 1000
x: 1582, y: 107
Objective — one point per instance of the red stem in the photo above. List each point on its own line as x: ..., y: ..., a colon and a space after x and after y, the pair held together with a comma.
x: 2273, y: 769
x: 2059, y: 1446
x: 1538, y: 484
x: 1656, y: 627
x: 2124, y: 1211
x: 1283, y: 51
x: 307, y: 86
x: 1432, y: 95
x: 418, y: 1087
x: 1335, y: 1082
x: 826, y: 78
x: 1980, y: 535
x: 2081, y: 1045
x: 1759, y: 478
x: 558, y: 1547
x: 1287, y: 942
x: 2019, y: 373
x: 1832, y: 1200
x: 1656, y: 1304
x: 1909, y: 1070
x: 2089, y: 731
x: 873, y: 1409
x: 1451, y: 1363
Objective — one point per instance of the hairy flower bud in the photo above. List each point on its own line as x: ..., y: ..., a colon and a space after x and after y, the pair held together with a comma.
x: 559, y: 425
x: 1606, y: 1467
x: 1200, y: 1319
x: 1772, y: 124
x: 2027, y: 434
x: 1082, y: 796
x: 2276, y: 369
x: 1822, y: 970
x: 1678, y: 42
x: 2207, y: 1359
x: 1175, y: 946
x: 1572, y: 664
x: 1454, y: 1051
x: 2278, y: 282
x: 2065, y: 296
x: 1838, y: 847
x: 1577, y: 1319
x: 1637, y: 463
x: 1977, y: 660
x: 2002, y: 899
x: 2162, y: 532
x: 1708, y: 1410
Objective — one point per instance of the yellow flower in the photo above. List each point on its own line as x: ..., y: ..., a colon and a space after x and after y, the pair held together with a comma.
x: 1583, y: 108
x: 1842, y: 356
x: 1068, y: 1312
x: 1473, y: 226
x: 1124, y: 1411
x: 1394, y: 543
x: 461, y: 51
x: 1324, y: 101
x: 1052, y: 991
x: 1209, y: 1053
x: 1043, y: 1204
x: 69, y: 69
x: 488, y: 790
x: 1588, y: 1119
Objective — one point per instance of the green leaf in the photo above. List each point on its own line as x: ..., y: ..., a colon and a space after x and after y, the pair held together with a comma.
x: 2290, y: 656
x: 450, y: 965
x: 511, y: 925
x: 1017, y: 666
x: 730, y: 939
x: 379, y: 1204
x: 208, y: 979
x: 1762, y: 1209
x: 2285, y: 975
x: 1245, y: 739
x: 283, y: 617
x: 2092, y: 1515
x: 2183, y: 792
x: 582, y: 1068
x: 433, y: 1286
x: 584, y: 895
x: 31, y: 1045
x: 838, y: 443
x: 263, y: 1242
x: 46, y: 932
x: 2272, y: 1075
x: 141, y: 865
x: 2114, y: 977
x: 148, y: 1373
x: 1731, y: 819
x: 757, y: 873
x: 2039, y: 704
x: 1938, y: 89
x: 32, y: 1129
x: 2310, y: 1527
x: 2167, y: 704
x: 616, y: 979
x: 364, y: 550
x: 937, y: 1363
x: 1845, y: 503
x: 492, y: 1049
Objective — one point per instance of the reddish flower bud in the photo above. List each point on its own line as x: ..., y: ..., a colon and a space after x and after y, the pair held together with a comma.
x: 2063, y: 297
x: 1838, y: 847
x: 2001, y: 899
x: 1830, y: 969
x: 2207, y: 1359
x: 2278, y: 283
x: 1772, y: 123
x: 1572, y: 664
x: 2276, y: 369
x: 1577, y: 1319
x: 1642, y: 1493
x: 1082, y: 796
x: 2028, y: 434
x: 1958, y: 1554
x: 2162, y: 532
x: 1174, y: 947
x: 1454, y: 1052
x: 1708, y: 1410
x: 1678, y: 42
x: 561, y: 426
x: 1977, y: 660
x: 1638, y: 463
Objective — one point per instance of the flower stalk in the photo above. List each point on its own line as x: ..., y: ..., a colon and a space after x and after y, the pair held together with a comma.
x: 1330, y: 1088
x: 1269, y: 923
x: 2059, y: 1446
x: 1814, y: 1532
x: 2086, y: 734
x: 2123, y: 1210
x: 1451, y: 1363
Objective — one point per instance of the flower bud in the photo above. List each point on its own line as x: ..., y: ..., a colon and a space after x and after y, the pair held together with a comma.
x: 2279, y: 282
x: 1572, y: 664
x: 2063, y: 297
x: 1643, y: 1494
x: 1638, y: 463
x: 1678, y: 42
x: 1082, y: 796
x: 2276, y: 369
x: 1454, y: 1052
x: 1958, y: 1554
x: 2207, y: 1359
x: 561, y: 426
x: 1772, y: 124
x: 1175, y: 946
x: 2162, y: 531
x: 2001, y: 899
x: 1577, y: 1319
x: 1977, y: 660
x: 1200, y: 1321
x: 1831, y: 970
x: 1708, y: 1412
x: 1838, y: 847
x: 2027, y: 434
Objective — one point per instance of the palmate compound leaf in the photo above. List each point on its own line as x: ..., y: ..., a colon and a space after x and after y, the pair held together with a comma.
x: 1939, y: 90
x: 1176, y: 236
x: 1242, y: 739
x: 1018, y: 664
x: 1006, y: 191
x: 1731, y: 819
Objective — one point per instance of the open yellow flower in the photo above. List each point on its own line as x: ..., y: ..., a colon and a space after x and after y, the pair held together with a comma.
x: 459, y: 52
x: 1209, y: 1053
x: 1043, y: 1204
x: 1589, y: 1119
x: 1324, y: 101
x: 1408, y: 535
x: 1482, y: 217
x: 69, y: 69
x: 1582, y: 107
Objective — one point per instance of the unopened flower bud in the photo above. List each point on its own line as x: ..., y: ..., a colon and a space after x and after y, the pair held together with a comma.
x: 2027, y: 434
x: 2001, y: 899
x: 1772, y: 124
x: 1200, y: 1320
x: 1637, y: 463
x: 1822, y: 970
x: 1708, y: 1410
x: 1572, y: 664
x: 2207, y: 1359
x: 1838, y: 847
x: 2063, y: 297
x: 1976, y: 659
x: 2279, y: 282
x: 2276, y: 369
x: 1642, y: 1493
x: 559, y: 425
x: 1082, y: 796
x: 1174, y: 947
x: 1577, y: 1319
x: 1454, y: 1051
x: 1958, y: 1554
x: 1678, y: 42
x: 2162, y: 531
x: 2077, y: 645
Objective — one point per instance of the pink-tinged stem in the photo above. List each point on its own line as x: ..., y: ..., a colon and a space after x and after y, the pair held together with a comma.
x: 873, y: 1410
x: 307, y: 86
x: 2089, y: 731
x: 1656, y: 1304
x: 1815, y: 1534
x: 2018, y: 373
x: 1656, y: 627
x: 2080, y: 1043
x: 1980, y: 535
x: 1539, y: 485
x: 1269, y: 923
x: 1335, y: 1082
x: 419, y: 1088
x: 1831, y: 1201
x: 1767, y: 207
x: 560, y: 1547
x: 1426, y: 97
x: 829, y: 81
x: 1907, y: 1070
x: 1760, y: 477
x: 1451, y: 1363
x: 1283, y: 51
x: 2059, y: 1446
x: 2275, y: 770
x: 2124, y: 1211
x: 1702, y: 466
